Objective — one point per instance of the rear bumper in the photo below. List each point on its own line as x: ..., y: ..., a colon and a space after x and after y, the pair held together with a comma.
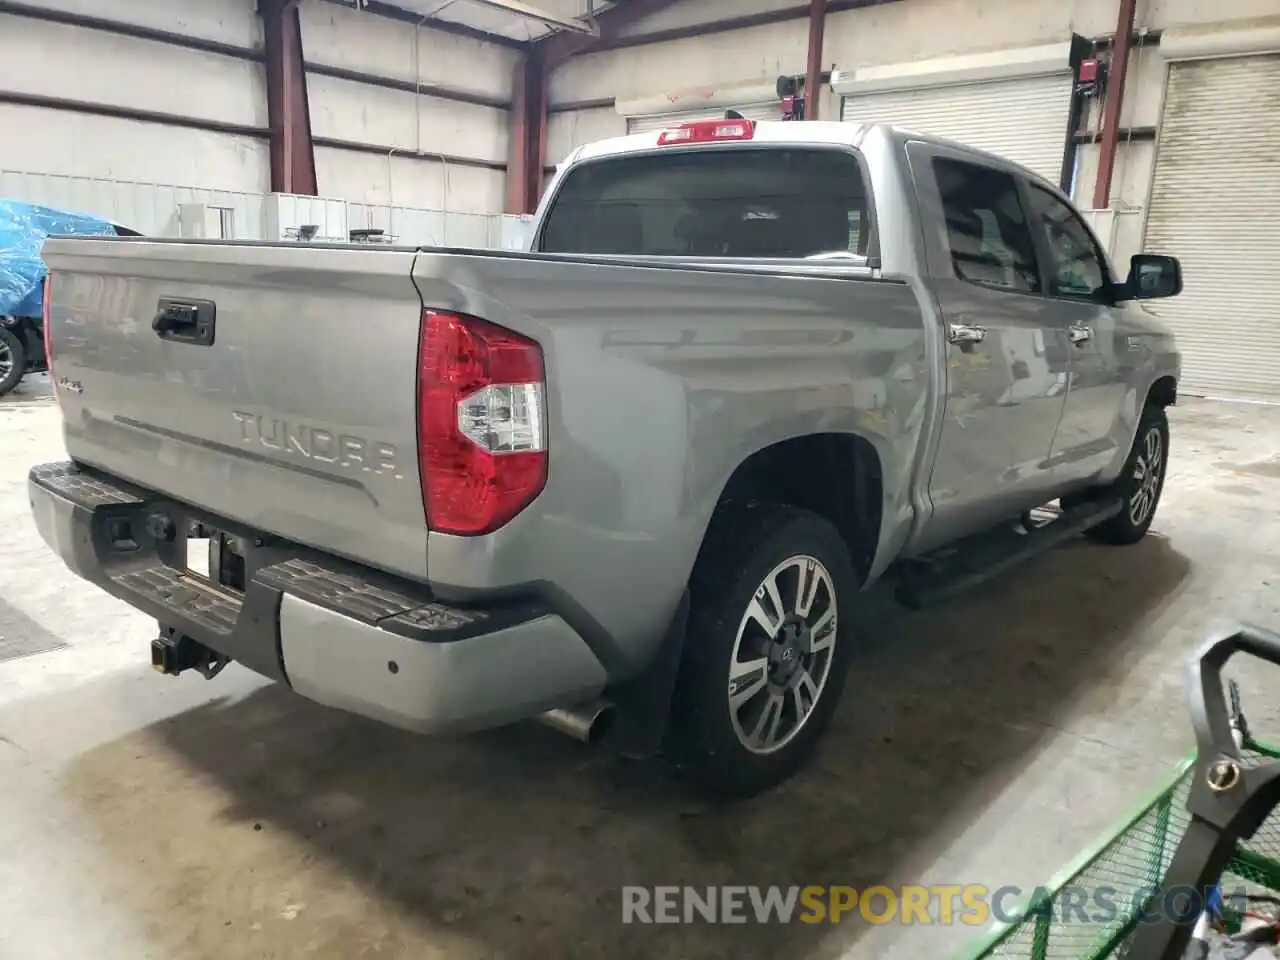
x: 338, y: 634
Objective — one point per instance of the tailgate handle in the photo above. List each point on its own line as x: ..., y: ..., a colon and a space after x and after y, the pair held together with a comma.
x: 185, y: 321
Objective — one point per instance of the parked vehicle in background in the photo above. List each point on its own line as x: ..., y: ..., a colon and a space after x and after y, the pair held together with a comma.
x: 21, y: 350
x: 23, y: 229
x: 637, y: 474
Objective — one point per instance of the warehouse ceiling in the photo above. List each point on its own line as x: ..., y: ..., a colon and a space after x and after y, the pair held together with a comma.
x: 513, y: 20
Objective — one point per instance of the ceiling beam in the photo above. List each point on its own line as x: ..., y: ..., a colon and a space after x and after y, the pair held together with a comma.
x: 392, y: 12
x: 559, y: 47
x: 521, y: 9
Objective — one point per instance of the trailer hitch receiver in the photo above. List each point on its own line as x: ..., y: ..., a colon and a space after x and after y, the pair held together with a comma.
x: 174, y: 653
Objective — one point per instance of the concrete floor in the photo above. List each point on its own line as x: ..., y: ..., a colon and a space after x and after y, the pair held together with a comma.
x: 987, y: 741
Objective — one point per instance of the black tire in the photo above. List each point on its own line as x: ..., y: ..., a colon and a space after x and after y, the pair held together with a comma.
x: 744, y: 546
x: 10, y: 344
x: 1135, y: 485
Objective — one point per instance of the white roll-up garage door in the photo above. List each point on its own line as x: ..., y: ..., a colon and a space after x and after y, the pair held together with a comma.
x: 1215, y: 204
x: 1023, y: 119
x: 770, y: 110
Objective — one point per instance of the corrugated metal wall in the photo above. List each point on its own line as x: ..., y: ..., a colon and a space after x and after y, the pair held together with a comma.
x: 157, y: 209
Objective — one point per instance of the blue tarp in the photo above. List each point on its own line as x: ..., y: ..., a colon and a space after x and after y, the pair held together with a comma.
x: 23, y: 228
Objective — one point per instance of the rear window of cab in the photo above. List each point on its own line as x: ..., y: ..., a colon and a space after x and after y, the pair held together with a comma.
x: 761, y: 202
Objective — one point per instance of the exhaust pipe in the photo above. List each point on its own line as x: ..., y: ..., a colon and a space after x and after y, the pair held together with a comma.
x: 584, y: 722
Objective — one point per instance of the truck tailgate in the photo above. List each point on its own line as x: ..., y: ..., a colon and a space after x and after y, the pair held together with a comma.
x: 297, y: 418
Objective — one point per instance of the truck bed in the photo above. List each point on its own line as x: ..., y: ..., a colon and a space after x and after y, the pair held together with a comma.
x: 299, y: 419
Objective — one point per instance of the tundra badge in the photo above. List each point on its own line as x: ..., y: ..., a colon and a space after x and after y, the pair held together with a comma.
x: 309, y: 442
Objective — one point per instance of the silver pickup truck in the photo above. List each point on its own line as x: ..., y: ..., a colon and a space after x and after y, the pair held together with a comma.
x: 630, y: 481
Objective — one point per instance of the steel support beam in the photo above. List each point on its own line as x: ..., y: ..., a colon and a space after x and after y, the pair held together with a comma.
x: 813, y: 75
x: 293, y: 154
x: 1113, y: 103
x: 527, y: 133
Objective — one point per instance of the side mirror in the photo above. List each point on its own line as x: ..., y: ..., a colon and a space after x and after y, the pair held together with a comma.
x: 1153, y: 277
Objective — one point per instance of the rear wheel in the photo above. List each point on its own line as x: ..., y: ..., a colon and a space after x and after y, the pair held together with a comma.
x: 13, y: 360
x: 1139, y: 484
x: 767, y: 648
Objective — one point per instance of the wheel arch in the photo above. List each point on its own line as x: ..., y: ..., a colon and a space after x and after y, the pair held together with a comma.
x: 1163, y: 392
x: 838, y: 476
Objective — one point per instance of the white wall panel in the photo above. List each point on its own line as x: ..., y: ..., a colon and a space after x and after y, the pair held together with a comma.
x: 400, y: 120
x: 737, y: 58
x: 357, y: 40
x: 149, y: 208
x: 926, y: 29
x: 121, y: 71
x: 1163, y: 14
x: 61, y: 62
x: 347, y: 110
x: 156, y: 210
x: 75, y: 144
x: 688, y: 13
x: 431, y: 228
x: 573, y: 127
x: 226, y: 21
x: 383, y: 180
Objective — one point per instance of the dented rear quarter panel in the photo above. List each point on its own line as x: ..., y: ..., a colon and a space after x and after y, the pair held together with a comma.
x: 661, y: 382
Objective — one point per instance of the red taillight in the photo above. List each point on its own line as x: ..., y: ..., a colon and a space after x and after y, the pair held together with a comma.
x: 47, y: 297
x: 482, y: 435
x: 705, y: 131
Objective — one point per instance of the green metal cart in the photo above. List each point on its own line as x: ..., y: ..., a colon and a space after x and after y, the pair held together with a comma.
x: 1209, y: 826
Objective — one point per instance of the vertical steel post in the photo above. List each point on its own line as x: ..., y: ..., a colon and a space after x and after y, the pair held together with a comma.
x: 1114, y: 102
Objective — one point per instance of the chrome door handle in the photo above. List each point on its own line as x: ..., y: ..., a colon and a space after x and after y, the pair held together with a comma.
x: 1079, y: 334
x: 963, y: 333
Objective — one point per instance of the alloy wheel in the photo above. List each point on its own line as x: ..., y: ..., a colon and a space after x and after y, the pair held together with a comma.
x: 1147, y: 470
x: 782, y: 654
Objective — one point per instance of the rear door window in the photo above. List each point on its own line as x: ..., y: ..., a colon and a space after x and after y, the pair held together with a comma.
x: 987, y: 231
x: 773, y: 202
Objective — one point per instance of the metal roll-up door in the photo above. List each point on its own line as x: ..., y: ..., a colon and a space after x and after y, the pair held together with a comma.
x: 1215, y: 204
x: 1023, y: 119
x: 769, y: 110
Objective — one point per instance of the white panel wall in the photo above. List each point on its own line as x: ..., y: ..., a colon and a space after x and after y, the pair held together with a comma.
x: 100, y: 67
x: 573, y: 127
x: 69, y: 63
x: 225, y: 21
x: 382, y: 180
x: 122, y: 71
x: 347, y: 110
x: 694, y: 12
x: 155, y: 209
x: 400, y: 121
x: 896, y: 32
x: 357, y: 40
x: 149, y: 208
x: 739, y: 58
x: 73, y: 144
